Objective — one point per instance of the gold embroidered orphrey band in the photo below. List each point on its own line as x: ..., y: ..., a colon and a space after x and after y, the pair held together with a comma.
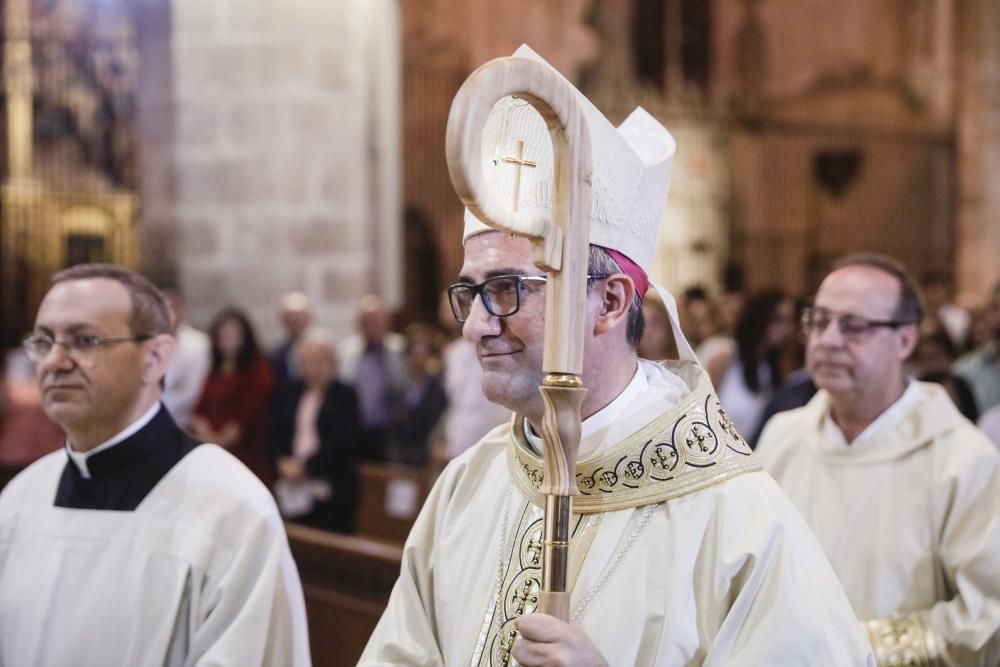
x: 689, y: 447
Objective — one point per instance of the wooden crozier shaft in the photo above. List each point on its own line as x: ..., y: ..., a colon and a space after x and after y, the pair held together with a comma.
x: 563, y: 394
x: 560, y: 246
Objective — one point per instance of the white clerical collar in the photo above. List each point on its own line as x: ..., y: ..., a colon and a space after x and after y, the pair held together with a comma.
x: 892, y: 415
x: 80, y: 458
x: 651, y: 384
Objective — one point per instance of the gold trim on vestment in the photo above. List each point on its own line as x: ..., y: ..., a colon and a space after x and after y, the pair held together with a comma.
x: 904, y: 639
x: 522, y: 579
x: 691, y: 446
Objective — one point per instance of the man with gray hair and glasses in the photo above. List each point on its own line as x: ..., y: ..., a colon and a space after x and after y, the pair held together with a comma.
x: 902, y: 491
x: 136, y: 545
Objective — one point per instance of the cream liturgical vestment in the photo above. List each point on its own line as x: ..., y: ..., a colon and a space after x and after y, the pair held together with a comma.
x: 909, y: 516
x: 157, y: 552
x: 682, y: 551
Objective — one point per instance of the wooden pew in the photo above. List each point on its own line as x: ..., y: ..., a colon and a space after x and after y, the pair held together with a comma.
x: 391, y: 497
x: 347, y: 581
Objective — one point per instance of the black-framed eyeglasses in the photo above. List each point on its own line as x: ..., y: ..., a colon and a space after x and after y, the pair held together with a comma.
x: 853, y: 327
x: 501, y: 295
x: 79, y: 346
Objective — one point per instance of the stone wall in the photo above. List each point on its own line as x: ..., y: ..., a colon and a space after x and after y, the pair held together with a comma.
x: 271, y: 153
x: 978, y: 215
x: 694, y: 239
x: 875, y: 81
x: 260, y: 121
x: 789, y: 82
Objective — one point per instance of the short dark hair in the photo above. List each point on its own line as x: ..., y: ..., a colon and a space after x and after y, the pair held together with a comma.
x: 602, y: 263
x: 910, y: 308
x: 150, y: 313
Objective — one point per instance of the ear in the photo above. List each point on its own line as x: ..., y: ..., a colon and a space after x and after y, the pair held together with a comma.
x: 616, y: 294
x: 909, y: 336
x: 158, y: 354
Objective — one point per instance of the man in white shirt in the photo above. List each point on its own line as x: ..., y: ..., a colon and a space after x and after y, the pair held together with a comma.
x: 136, y: 545
x: 902, y: 491
x: 189, y: 365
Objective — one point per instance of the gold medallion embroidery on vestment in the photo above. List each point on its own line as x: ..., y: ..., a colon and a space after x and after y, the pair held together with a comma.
x: 522, y: 579
x: 691, y: 446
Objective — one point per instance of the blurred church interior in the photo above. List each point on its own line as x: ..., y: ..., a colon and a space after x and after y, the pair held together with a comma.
x: 239, y: 150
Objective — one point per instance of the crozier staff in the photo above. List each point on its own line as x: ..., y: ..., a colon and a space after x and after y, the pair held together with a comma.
x: 559, y: 248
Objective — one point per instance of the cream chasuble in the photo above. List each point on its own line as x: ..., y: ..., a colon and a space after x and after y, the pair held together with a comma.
x: 682, y: 551
x: 909, y: 516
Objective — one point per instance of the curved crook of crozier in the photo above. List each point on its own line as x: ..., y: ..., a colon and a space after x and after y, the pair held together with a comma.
x: 560, y: 243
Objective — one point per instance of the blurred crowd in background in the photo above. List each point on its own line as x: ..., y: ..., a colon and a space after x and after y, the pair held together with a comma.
x: 304, y: 415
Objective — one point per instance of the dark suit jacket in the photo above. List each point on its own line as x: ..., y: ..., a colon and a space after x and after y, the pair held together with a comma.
x: 415, y: 422
x: 336, y: 460
x: 279, y: 357
x: 796, y: 391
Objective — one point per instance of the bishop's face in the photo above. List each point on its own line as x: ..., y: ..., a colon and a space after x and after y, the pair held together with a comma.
x: 509, y: 348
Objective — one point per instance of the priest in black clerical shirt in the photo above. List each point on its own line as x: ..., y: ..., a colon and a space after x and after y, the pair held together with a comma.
x: 136, y: 545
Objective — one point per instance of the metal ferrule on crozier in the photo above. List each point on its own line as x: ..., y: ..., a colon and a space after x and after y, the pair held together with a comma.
x: 561, y: 249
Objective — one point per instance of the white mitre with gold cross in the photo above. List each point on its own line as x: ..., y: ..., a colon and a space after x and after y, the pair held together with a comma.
x: 631, y: 177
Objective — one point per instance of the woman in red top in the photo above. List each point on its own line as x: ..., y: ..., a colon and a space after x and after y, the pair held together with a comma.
x: 232, y: 411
